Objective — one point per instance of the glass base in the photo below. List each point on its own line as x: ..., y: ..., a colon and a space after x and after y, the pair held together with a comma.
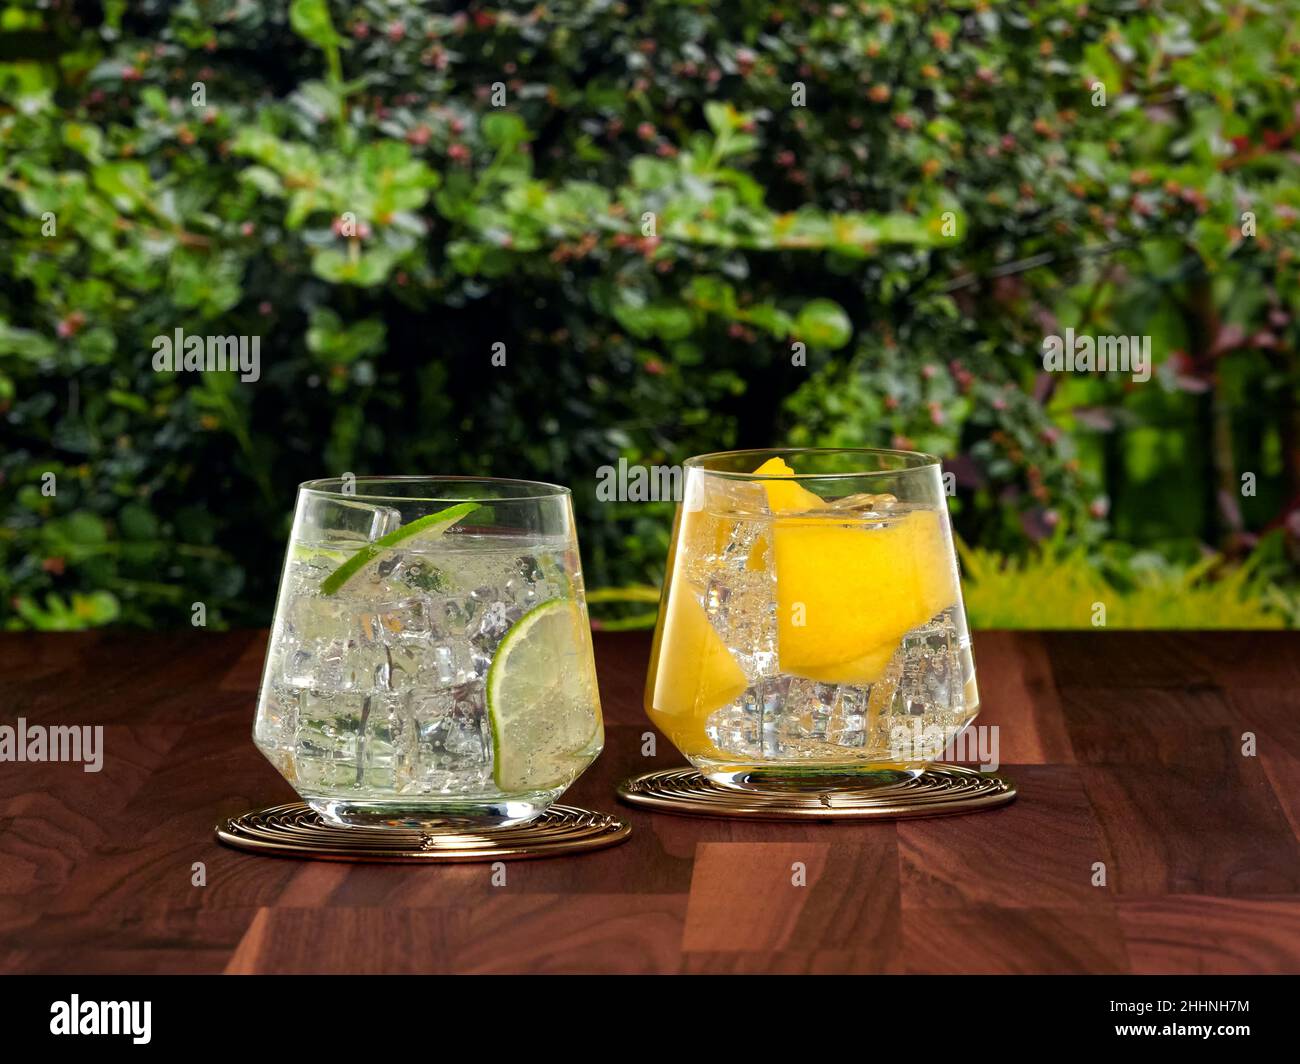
x: 809, y: 778
x: 450, y: 815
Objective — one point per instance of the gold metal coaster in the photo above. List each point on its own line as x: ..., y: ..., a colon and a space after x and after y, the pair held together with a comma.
x: 941, y: 790
x: 295, y: 830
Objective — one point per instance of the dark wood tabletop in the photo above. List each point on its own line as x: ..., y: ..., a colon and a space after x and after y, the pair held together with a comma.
x: 1131, y: 752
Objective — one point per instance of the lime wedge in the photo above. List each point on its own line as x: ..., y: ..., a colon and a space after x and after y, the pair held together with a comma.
x: 542, y: 699
x: 433, y: 524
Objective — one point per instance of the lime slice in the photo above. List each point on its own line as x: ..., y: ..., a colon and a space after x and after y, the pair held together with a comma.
x: 542, y: 700
x: 433, y: 524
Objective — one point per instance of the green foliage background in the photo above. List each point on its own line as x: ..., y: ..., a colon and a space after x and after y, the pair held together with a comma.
x: 524, y: 224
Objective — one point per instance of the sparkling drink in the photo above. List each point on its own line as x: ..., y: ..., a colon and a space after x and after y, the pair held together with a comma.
x: 812, y: 625
x: 430, y: 661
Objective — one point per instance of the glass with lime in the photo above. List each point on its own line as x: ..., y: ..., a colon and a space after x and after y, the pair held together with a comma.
x: 430, y: 661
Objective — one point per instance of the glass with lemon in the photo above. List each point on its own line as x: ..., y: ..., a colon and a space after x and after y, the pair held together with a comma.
x: 811, y: 624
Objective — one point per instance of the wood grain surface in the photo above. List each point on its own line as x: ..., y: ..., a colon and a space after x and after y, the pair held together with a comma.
x: 1127, y: 749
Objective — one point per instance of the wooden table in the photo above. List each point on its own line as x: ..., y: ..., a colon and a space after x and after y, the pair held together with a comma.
x: 1126, y: 747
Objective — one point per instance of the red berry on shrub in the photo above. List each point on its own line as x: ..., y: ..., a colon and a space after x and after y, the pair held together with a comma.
x: 458, y: 153
x: 654, y: 367
x: 71, y: 325
x: 396, y: 31
x: 419, y: 135
x: 646, y: 131
x: 248, y: 229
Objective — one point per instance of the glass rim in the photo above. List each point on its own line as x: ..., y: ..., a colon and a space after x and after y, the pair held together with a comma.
x: 912, y: 462
x: 542, y: 489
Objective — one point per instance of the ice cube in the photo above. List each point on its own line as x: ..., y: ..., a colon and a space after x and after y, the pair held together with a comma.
x: 739, y: 597
x: 345, y: 521
x: 405, y: 619
x: 738, y: 728
x: 451, y: 746
x: 277, y: 723
x: 388, y: 742
x: 864, y: 502
x: 325, y: 742
x: 930, y: 679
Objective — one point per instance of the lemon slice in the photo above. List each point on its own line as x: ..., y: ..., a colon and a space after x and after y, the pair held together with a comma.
x: 542, y: 701
x: 692, y: 673
x: 848, y: 593
x: 790, y: 498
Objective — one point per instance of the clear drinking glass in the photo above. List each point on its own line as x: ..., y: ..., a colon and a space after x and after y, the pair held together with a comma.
x: 430, y: 661
x: 811, y: 623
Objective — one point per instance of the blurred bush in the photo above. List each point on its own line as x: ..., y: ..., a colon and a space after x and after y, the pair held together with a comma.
x: 649, y: 205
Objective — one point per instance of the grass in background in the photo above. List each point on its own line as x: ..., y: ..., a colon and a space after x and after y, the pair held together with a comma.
x: 1058, y: 587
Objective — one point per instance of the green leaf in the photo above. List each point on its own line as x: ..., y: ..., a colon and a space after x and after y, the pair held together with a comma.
x: 334, y: 341
x: 127, y: 184
x: 504, y: 131
x: 310, y: 19
x: 664, y: 320
x: 823, y: 323
x: 85, y: 139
